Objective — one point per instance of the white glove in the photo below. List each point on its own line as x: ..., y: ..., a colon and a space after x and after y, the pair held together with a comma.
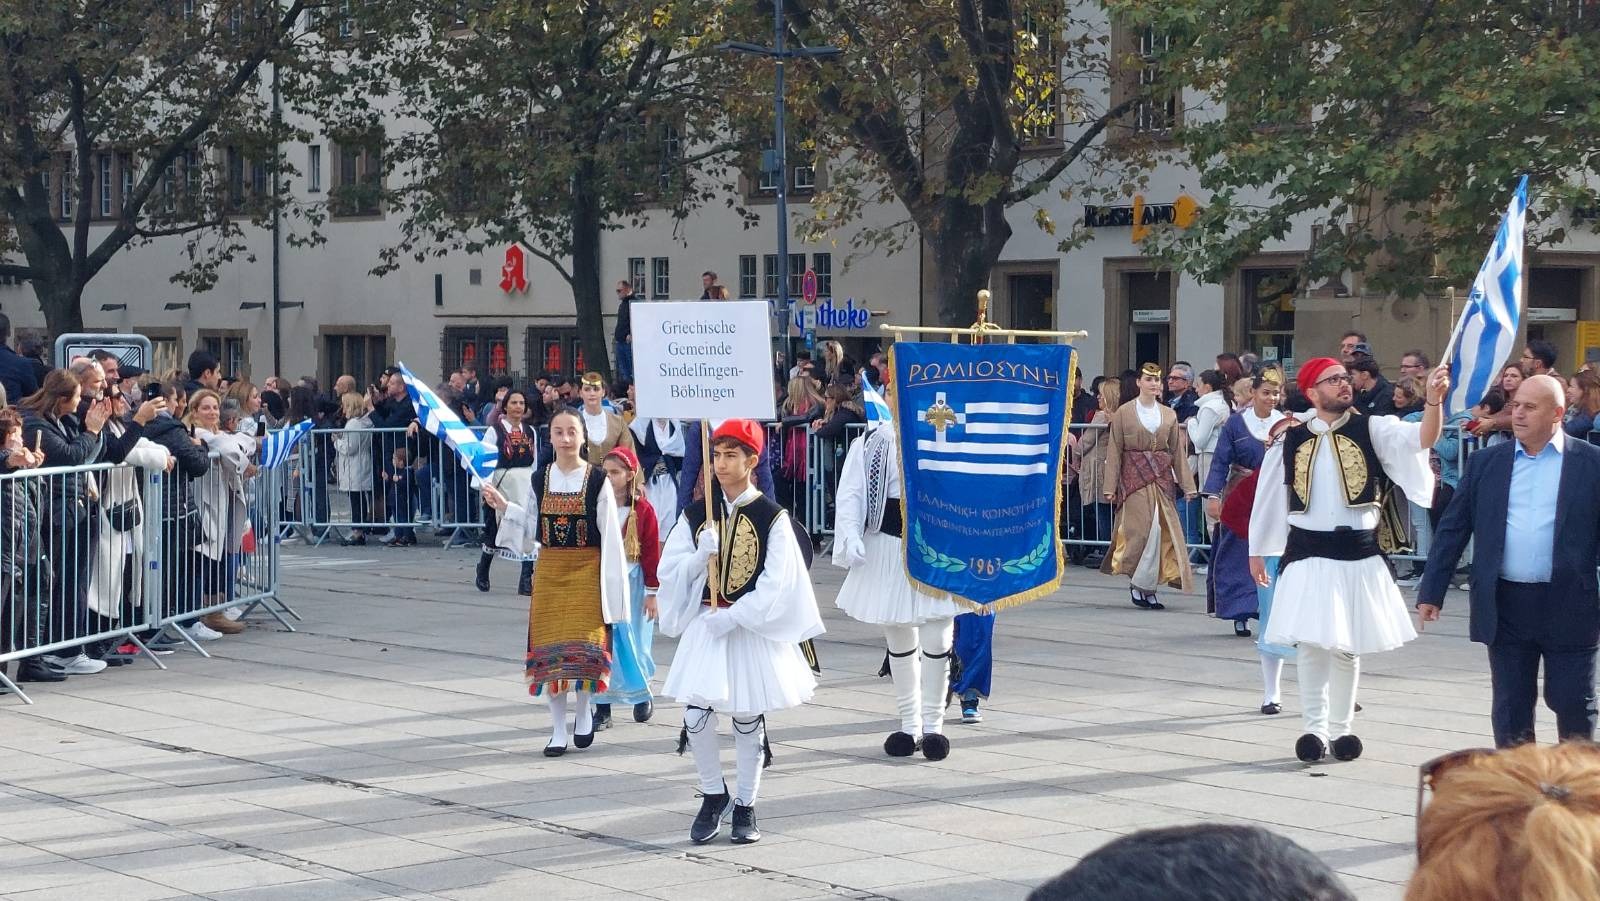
x: 848, y: 551
x: 719, y: 623
x: 707, y: 548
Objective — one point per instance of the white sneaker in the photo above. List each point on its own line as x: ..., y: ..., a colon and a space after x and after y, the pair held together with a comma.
x: 202, y: 632
x: 81, y: 665
x: 1409, y: 582
x: 233, y: 614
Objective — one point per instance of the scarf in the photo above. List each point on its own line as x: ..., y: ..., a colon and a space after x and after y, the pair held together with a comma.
x: 879, y: 449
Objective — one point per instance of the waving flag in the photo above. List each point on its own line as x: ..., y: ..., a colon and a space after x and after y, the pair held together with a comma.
x: 277, y: 446
x: 477, y: 458
x: 1483, y: 335
x: 876, y: 407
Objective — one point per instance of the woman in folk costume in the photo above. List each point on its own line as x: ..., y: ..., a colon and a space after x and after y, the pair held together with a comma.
x: 1230, y: 489
x: 518, y: 444
x: 1146, y: 464
x: 869, y: 542
x: 739, y: 652
x: 580, y: 587
x: 604, y: 428
x: 641, y: 543
x: 660, y: 446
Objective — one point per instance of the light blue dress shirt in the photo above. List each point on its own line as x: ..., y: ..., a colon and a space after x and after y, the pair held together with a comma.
x: 1531, y: 512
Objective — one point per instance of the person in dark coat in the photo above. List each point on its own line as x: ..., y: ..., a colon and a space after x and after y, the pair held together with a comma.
x: 180, y: 518
x: 1529, y: 507
x: 17, y: 375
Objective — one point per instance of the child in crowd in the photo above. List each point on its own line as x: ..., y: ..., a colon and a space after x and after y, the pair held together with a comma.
x: 397, y: 482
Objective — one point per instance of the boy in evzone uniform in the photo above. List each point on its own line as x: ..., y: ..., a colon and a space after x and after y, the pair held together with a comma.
x: 868, y: 541
x: 1323, y: 503
x: 738, y: 655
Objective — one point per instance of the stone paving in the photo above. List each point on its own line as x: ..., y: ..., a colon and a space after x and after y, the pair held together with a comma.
x: 388, y: 750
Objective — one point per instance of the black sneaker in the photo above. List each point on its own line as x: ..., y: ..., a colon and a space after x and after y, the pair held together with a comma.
x: 708, y: 822
x: 643, y: 710
x: 602, y: 717
x: 744, y: 825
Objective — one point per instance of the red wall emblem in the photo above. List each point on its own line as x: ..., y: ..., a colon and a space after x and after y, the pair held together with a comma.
x: 514, y: 271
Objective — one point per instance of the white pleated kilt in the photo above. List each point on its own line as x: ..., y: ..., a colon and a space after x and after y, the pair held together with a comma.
x: 878, y: 593
x: 1344, y: 605
x: 739, y: 672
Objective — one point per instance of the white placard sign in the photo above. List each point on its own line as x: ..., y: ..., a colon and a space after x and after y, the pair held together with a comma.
x: 707, y: 359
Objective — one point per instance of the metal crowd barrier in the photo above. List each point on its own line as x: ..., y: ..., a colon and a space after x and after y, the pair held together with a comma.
x: 91, y: 560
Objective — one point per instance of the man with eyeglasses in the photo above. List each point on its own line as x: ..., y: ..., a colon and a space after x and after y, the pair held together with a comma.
x: 1180, y: 393
x: 1533, y: 597
x: 1326, y: 505
x: 622, y: 337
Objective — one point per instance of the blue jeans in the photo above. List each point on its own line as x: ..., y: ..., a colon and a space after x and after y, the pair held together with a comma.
x: 1192, y: 515
x: 624, y: 361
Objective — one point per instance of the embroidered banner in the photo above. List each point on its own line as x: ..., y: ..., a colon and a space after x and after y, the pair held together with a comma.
x: 983, y: 430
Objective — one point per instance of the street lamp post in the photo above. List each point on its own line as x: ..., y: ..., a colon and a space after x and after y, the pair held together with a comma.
x: 779, y: 53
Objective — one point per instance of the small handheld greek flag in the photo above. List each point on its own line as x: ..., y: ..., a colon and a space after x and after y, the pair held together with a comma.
x: 1481, y: 342
x: 876, y: 407
x: 477, y: 458
x: 277, y: 446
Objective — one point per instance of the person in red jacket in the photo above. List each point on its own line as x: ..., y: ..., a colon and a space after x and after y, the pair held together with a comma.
x: 641, y: 542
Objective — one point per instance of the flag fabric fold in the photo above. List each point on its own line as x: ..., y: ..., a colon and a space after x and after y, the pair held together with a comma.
x: 1481, y: 341
x: 877, y: 409
x: 477, y: 458
x: 278, y: 445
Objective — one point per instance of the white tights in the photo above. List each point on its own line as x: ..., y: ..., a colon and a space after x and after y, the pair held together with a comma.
x: 558, y: 716
x: 1327, y: 690
x: 920, y: 680
x: 749, y: 747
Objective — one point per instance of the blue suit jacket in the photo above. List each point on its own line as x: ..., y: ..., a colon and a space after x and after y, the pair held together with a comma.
x: 1569, y: 614
x: 17, y: 375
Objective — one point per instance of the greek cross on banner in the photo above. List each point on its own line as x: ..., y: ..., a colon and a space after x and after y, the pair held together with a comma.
x: 941, y: 417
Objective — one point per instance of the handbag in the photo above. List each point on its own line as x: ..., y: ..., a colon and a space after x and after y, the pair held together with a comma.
x: 126, y: 516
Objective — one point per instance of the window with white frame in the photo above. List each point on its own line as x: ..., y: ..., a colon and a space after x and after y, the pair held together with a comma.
x: 125, y: 165
x: 67, y: 167
x: 636, y: 275
x: 797, y: 273
x: 1157, y: 109
x: 670, y: 150
x: 660, y: 278
x: 314, y: 168
x: 747, y: 276
x: 822, y: 265
x: 769, y: 272
x: 106, y: 185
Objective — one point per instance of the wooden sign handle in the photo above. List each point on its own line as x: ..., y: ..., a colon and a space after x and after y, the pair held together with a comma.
x: 707, y: 483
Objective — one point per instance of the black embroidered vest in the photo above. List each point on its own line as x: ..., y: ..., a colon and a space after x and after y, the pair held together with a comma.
x: 1364, y: 481
x: 742, y: 544
x: 519, y: 449
x: 568, y: 520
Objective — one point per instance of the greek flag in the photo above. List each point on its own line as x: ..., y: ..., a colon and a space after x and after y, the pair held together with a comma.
x: 277, y: 446
x: 1482, y: 339
x: 876, y: 407
x: 477, y: 458
x: 988, y: 438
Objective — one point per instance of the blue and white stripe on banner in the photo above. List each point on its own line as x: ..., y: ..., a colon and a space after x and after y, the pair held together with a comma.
x: 1482, y: 339
x: 877, y: 409
x: 278, y: 445
x: 477, y: 458
x: 990, y: 438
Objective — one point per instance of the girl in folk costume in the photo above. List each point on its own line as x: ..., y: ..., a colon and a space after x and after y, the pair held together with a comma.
x: 1231, y: 593
x: 580, y: 587
x: 1145, y: 465
x: 604, y: 428
x: 739, y: 648
x: 660, y: 446
x: 518, y: 443
x: 642, y: 543
x: 868, y: 541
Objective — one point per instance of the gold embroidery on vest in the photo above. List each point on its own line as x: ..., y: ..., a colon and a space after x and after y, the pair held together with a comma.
x: 1352, y: 467
x: 1304, y: 455
x: 742, y: 556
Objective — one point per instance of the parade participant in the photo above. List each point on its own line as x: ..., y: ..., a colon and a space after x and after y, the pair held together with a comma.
x: 1331, y: 516
x: 868, y: 540
x: 1230, y: 592
x: 641, y: 543
x: 580, y: 587
x: 1145, y: 467
x: 605, y: 429
x: 661, y: 448
x: 518, y: 445
x: 738, y: 653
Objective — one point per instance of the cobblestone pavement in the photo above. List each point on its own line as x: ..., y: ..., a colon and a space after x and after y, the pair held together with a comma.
x: 389, y: 750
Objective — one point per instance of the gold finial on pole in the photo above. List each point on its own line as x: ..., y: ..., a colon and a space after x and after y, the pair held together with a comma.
x: 983, y: 309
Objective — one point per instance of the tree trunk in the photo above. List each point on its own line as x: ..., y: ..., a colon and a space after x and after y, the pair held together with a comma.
x: 62, y: 303
x: 964, y: 252
x: 586, y: 293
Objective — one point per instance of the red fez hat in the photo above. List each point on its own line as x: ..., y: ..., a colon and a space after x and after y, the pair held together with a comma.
x: 748, y: 433
x: 627, y: 456
x: 1312, y: 370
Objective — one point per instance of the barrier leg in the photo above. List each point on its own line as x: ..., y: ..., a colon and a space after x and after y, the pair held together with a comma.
x: 12, y: 687
x: 145, y: 651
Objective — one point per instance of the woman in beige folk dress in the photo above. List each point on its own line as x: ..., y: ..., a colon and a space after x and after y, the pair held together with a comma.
x: 1145, y: 467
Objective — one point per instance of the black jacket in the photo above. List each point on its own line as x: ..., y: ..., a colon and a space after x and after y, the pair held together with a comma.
x: 1570, y: 614
x: 64, y: 443
x: 17, y: 375
x: 192, y: 463
x: 1377, y: 400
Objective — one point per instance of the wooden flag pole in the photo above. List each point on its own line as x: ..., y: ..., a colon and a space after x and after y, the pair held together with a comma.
x: 705, y: 475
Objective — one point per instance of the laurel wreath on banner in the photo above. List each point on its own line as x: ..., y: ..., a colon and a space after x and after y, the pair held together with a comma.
x: 934, y: 558
x: 1034, y: 559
